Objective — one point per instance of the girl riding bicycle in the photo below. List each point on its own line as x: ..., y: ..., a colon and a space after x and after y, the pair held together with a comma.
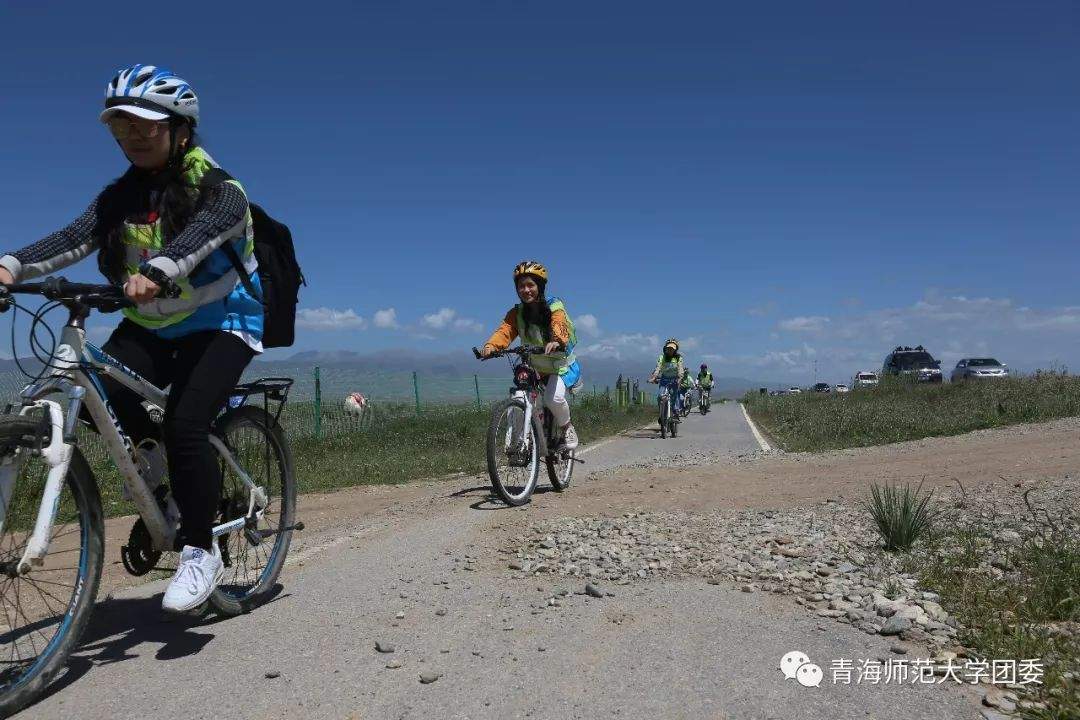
x: 669, y: 371
x: 541, y: 321
x: 160, y: 226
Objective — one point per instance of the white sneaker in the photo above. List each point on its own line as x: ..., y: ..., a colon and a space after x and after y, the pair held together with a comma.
x: 197, y: 575
x: 570, y: 439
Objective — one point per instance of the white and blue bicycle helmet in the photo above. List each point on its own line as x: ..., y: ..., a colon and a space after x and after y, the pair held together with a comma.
x: 150, y: 92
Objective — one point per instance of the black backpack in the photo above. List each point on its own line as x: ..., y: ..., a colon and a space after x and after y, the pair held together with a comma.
x: 279, y: 273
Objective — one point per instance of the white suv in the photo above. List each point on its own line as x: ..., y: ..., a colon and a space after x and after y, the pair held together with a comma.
x: 865, y: 379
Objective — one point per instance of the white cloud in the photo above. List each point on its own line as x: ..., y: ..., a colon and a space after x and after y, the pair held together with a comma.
x: 949, y: 325
x: 467, y: 325
x: 812, y: 323
x: 587, y: 324
x: 329, y: 319
x: 448, y: 318
x: 385, y: 318
x: 623, y: 346
x: 439, y: 320
x: 762, y: 310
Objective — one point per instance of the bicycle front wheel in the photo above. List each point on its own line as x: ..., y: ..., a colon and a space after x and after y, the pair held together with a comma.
x: 254, y: 556
x: 560, y: 468
x: 512, y: 456
x: 664, y: 411
x: 44, y: 612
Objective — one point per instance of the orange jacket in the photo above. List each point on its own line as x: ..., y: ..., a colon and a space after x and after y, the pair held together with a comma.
x: 507, y: 332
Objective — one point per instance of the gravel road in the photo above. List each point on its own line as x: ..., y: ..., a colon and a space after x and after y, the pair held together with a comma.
x: 423, y: 571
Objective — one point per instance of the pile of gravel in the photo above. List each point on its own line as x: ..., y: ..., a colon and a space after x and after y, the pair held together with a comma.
x: 829, y: 557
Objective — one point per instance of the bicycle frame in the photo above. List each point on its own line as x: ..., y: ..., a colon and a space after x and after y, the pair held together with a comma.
x: 530, y: 409
x: 77, y: 367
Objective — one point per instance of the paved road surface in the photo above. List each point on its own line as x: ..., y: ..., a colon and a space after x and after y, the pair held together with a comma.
x: 679, y: 649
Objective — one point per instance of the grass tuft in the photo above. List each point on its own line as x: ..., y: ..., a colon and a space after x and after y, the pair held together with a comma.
x: 901, y: 515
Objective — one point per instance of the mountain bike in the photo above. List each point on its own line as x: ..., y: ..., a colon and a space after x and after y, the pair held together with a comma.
x: 704, y: 400
x: 668, y: 417
x: 51, y: 522
x: 515, y: 446
x: 687, y: 402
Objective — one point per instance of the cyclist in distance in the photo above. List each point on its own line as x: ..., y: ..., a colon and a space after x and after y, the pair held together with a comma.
x: 157, y: 226
x: 687, y: 384
x: 542, y: 321
x: 704, y: 377
x: 669, y: 370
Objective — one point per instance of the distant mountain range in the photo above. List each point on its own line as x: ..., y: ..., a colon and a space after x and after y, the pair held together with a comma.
x: 596, y: 370
x: 599, y: 371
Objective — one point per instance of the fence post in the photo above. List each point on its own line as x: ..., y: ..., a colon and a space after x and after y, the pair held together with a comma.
x: 318, y: 405
x: 416, y: 392
x: 476, y: 381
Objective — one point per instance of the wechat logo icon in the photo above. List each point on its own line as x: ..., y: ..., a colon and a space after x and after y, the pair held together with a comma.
x: 796, y: 665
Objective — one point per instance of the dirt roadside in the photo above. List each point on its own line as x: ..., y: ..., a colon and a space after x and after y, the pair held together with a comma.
x: 1020, y: 454
x: 1004, y: 456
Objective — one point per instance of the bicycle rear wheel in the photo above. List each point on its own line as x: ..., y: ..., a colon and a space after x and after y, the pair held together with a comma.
x: 253, y: 562
x: 44, y: 612
x: 512, y: 456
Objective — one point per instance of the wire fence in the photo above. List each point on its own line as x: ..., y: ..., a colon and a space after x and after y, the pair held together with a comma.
x: 318, y: 403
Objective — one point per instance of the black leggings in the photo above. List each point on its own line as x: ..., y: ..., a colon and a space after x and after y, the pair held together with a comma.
x: 201, y: 369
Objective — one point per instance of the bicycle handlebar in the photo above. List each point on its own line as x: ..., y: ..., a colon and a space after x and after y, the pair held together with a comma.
x: 99, y: 296
x: 521, y: 350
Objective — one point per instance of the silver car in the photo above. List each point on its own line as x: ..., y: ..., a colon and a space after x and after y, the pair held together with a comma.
x: 978, y: 369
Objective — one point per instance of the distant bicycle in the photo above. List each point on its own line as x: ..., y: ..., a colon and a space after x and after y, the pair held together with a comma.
x: 687, y: 402
x: 52, y: 529
x: 522, y: 433
x: 668, y: 417
x: 704, y: 400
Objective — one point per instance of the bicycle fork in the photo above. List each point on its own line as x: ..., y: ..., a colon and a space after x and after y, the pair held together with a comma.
x: 527, y: 426
x: 57, y: 455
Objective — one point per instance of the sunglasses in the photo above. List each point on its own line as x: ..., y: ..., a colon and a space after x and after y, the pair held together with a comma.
x: 123, y: 128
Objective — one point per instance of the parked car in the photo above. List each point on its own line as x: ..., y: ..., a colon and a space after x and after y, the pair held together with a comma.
x: 841, y: 388
x: 865, y: 379
x: 915, y: 363
x: 794, y: 390
x: 821, y: 388
x: 978, y: 369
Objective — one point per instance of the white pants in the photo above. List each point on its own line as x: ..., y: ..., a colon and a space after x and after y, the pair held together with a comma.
x: 555, y: 400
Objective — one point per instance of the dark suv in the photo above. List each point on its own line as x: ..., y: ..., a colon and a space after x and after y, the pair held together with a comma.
x: 917, y: 363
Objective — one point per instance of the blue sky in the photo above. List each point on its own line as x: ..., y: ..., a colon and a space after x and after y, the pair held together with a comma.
x: 776, y: 185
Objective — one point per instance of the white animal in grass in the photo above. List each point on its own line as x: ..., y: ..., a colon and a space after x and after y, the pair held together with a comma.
x: 356, y: 405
